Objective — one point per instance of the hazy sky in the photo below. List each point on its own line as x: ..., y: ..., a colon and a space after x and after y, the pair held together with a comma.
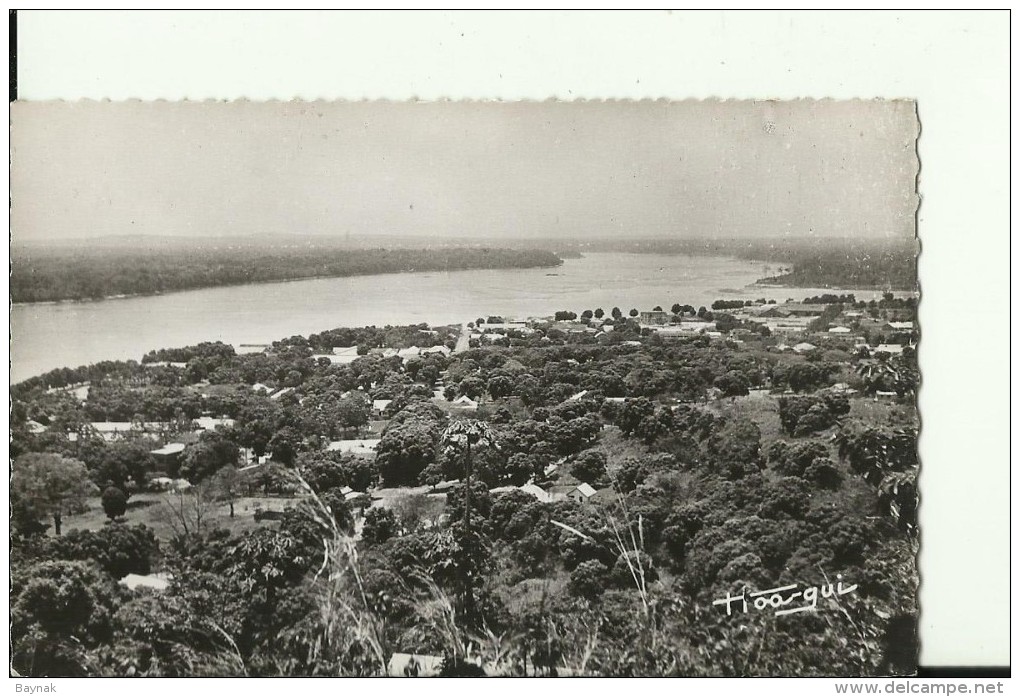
x: 633, y: 169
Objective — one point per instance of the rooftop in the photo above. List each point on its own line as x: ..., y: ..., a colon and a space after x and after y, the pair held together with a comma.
x: 357, y: 446
x: 157, y: 582
x: 169, y: 449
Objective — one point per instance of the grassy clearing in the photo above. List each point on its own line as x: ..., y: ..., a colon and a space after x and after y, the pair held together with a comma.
x: 149, y: 509
x: 760, y: 407
x: 883, y: 412
x: 617, y: 448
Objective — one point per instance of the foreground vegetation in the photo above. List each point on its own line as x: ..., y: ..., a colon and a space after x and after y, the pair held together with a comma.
x: 720, y: 467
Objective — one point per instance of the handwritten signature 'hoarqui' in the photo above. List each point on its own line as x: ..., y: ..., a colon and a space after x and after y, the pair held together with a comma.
x: 777, y: 598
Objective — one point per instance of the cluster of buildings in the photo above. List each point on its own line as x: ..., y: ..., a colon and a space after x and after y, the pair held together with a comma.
x: 345, y: 355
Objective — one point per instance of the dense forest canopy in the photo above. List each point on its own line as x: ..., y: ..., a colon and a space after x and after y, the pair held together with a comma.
x: 44, y: 273
x: 130, y: 266
x: 809, y: 262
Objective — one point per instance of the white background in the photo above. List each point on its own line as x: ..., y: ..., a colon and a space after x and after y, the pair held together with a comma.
x: 955, y: 64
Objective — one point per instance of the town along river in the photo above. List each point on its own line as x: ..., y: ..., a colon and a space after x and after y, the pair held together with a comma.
x: 45, y: 336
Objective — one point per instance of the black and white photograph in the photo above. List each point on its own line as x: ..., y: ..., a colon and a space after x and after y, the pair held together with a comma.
x: 465, y: 387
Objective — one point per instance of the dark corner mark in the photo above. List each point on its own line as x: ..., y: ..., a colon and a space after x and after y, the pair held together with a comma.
x: 13, y: 81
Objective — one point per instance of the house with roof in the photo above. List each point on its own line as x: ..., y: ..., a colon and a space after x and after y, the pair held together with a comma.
x: 243, y: 349
x: 355, y: 446
x: 839, y: 330
x: 168, y: 458
x: 653, y: 317
x: 211, y: 423
x: 117, y: 430
x: 575, y: 397
x: 894, y: 349
x: 541, y: 494
x: 843, y: 388
x: 156, y: 582
x: 441, y: 350
x: 35, y: 427
x: 582, y: 493
x: 379, y: 406
x: 280, y: 393
x: 340, y: 355
x: 408, y: 353
x: 509, y: 325
x: 464, y: 402
x: 899, y: 326
x: 673, y: 332
x: 804, y: 347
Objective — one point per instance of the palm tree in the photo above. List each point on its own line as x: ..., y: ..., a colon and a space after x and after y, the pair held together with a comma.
x: 462, y: 435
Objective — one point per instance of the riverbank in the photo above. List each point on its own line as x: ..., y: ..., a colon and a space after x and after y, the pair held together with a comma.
x: 34, y: 281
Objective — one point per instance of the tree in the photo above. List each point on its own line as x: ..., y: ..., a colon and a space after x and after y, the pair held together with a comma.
x: 817, y: 418
x: 590, y: 466
x: 227, y: 485
x: 804, y: 377
x: 406, y: 448
x: 266, y: 561
x: 59, y: 609
x: 617, y: 313
x: 51, y: 485
x: 114, y: 503
x: 676, y: 309
x: 634, y: 312
x: 187, y: 513
x: 353, y: 411
x: 599, y: 313
x: 118, y: 550
x: 733, y: 384
x: 734, y: 448
x: 634, y: 568
x: 500, y: 386
x: 210, y: 454
x: 339, y: 508
x: 472, y: 387
x: 123, y: 464
x: 589, y: 579
x: 380, y: 525
x: 284, y: 445
x: 354, y: 471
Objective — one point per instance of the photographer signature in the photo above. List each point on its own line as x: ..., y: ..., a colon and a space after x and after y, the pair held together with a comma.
x: 777, y: 598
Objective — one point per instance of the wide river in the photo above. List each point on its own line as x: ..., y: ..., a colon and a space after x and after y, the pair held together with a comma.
x: 45, y: 336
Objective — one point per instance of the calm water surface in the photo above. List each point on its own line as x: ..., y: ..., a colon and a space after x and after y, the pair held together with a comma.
x: 48, y: 336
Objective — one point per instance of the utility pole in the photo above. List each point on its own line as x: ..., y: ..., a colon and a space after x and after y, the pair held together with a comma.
x: 466, y: 434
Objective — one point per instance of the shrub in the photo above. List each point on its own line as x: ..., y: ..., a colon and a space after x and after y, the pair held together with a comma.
x: 589, y: 579
x: 114, y: 503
